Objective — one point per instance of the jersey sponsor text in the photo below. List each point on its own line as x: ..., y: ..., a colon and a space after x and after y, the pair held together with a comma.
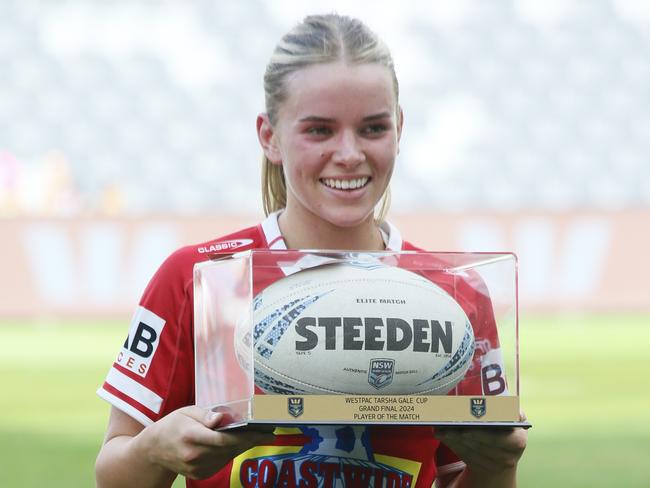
x: 142, y: 342
x: 319, y: 471
x: 493, y: 373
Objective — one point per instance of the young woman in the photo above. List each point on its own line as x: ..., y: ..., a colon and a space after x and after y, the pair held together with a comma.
x: 330, y: 136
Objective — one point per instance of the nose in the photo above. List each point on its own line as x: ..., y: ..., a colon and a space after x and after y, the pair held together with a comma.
x: 348, y: 151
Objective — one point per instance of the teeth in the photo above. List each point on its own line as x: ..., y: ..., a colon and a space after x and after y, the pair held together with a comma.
x: 345, y: 184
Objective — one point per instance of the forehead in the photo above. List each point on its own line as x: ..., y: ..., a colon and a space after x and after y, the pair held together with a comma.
x: 326, y: 89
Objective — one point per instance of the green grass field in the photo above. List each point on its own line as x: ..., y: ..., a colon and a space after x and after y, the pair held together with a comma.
x: 584, y: 387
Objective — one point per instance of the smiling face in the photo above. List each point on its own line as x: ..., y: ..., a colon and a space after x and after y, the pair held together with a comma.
x: 336, y: 136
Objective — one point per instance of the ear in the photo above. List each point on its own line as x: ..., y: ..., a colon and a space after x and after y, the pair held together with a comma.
x: 268, y: 139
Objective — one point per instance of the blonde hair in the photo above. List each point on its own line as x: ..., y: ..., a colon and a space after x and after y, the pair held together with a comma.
x: 318, y: 39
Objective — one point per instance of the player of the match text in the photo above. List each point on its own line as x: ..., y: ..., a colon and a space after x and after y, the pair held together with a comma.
x: 381, y: 408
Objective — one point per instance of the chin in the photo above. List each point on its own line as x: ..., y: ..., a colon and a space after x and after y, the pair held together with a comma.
x: 350, y: 220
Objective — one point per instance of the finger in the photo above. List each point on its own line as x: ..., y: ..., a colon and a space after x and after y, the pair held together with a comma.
x: 205, y: 417
x: 479, y: 457
x: 268, y: 428
x: 489, y: 437
x: 234, y: 439
x: 249, y: 437
x: 476, y: 435
x: 506, y: 444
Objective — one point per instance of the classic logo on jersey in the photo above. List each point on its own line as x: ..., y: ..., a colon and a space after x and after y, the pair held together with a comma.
x: 142, y: 342
x: 296, y: 406
x: 225, y: 245
x: 478, y: 407
x: 380, y: 372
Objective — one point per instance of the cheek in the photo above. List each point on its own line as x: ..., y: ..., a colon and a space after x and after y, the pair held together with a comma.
x: 303, y: 169
x: 297, y: 178
x: 295, y: 173
x: 386, y: 159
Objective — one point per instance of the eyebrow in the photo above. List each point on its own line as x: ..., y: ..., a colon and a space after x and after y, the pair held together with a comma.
x: 382, y: 115
x: 315, y: 118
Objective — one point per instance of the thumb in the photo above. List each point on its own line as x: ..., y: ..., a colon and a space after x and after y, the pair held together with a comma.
x: 208, y: 418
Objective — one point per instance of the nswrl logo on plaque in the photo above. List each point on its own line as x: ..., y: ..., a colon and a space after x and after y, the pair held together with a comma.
x: 477, y: 407
x: 296, y: 406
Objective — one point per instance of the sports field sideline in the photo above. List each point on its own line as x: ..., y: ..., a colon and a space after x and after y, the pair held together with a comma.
x: 584, y: 387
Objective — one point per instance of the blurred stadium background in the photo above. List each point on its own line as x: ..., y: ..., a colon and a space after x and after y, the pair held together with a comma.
x: 127, y: 130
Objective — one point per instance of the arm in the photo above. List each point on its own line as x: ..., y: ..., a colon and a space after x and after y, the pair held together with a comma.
x: 182, y: 442
x: 491, y: 456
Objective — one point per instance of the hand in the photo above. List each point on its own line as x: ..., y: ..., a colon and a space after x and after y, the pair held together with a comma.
x: 487, y: 452
x: 184, y: 442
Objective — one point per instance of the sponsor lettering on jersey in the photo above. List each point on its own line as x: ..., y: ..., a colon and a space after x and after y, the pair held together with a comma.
x: 328, y: 457
x: 483, y: 346
x: 319, y: 471
x: 224, y: 246
x: 141, y: 344
x: 493, y: 373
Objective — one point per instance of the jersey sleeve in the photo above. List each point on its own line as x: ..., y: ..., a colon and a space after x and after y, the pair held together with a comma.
x: 153, y: 372
x: 486, y: 375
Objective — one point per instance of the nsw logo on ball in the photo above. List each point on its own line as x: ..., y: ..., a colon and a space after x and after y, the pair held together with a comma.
x: 381, y: 372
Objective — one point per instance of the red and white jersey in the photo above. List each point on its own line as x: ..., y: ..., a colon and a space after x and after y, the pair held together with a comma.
x: 153, y: 375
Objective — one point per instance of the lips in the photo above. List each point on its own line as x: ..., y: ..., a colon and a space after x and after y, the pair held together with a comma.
x: 345, y: 184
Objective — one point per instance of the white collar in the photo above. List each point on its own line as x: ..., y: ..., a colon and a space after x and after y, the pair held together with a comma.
x: 271, y: 228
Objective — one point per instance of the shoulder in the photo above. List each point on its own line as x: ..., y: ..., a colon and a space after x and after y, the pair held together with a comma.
x: 449, y: 272
x: 248, y: 238
x: 179, y: 265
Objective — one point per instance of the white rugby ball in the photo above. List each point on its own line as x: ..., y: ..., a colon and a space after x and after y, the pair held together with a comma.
x: 356, y: 329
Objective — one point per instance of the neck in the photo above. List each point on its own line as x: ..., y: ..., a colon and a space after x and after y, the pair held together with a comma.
x: 314, y: 233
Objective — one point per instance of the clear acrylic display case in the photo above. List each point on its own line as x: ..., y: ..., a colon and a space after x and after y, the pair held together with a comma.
x: 225, y: 289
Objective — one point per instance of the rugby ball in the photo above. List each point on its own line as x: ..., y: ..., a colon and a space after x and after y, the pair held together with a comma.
x: 356, y: 329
